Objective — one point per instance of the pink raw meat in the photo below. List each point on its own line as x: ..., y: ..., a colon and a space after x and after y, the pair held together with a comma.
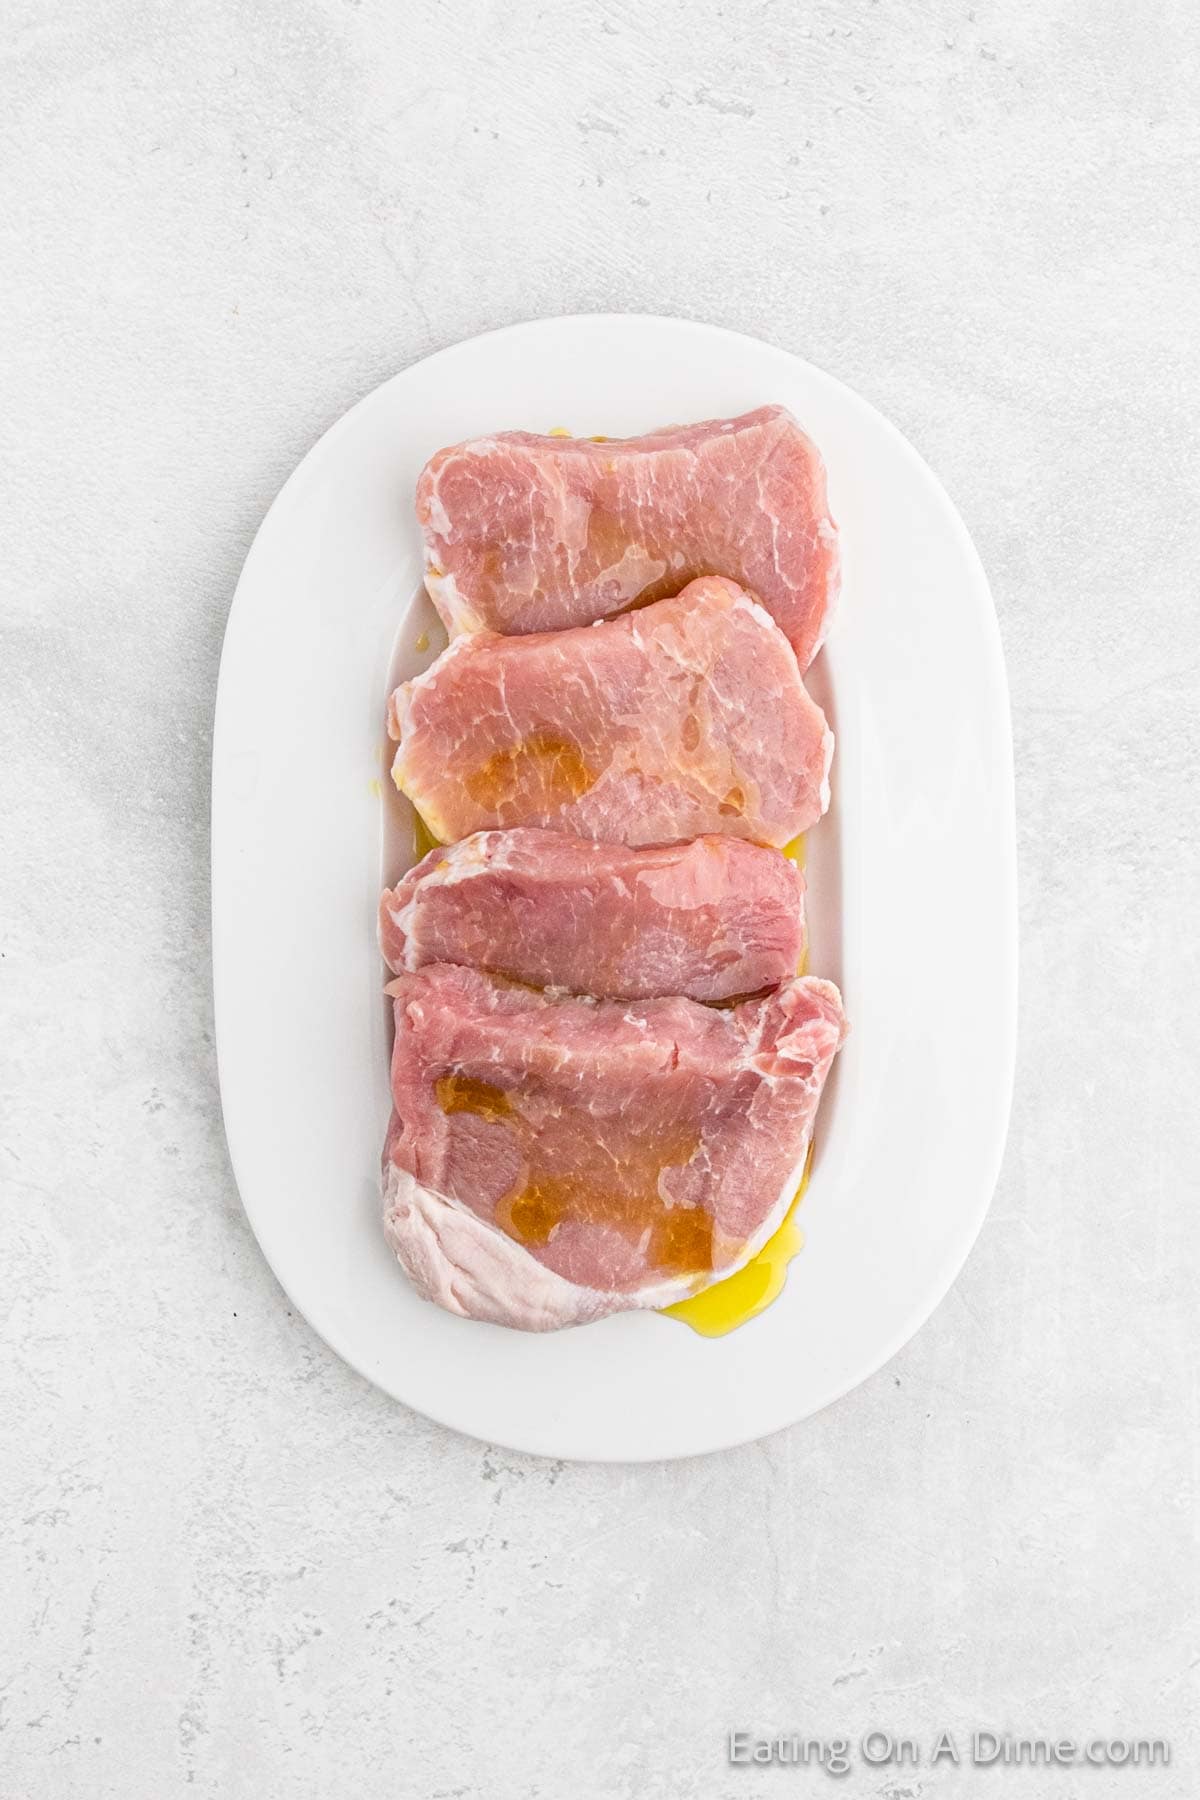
x: 552, y: 1158
x: 684, y: 718
x: 711, y: 919
x: 526, y: 533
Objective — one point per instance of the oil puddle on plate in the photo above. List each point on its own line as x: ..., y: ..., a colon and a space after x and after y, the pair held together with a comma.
x: 727, y: 1304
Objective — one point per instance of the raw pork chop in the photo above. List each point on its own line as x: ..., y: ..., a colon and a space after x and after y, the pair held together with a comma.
x: 526, y: 533
x: 553, y: 1159
x: 710, y: 919
x: 687, y: 717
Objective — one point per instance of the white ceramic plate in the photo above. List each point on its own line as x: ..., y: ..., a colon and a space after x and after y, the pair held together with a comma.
x: 912, y: 879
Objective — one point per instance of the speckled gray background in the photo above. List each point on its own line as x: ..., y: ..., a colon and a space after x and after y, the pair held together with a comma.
x: 230, y: 1568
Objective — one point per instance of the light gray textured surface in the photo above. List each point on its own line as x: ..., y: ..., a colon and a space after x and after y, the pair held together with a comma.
x: 229, y: 1567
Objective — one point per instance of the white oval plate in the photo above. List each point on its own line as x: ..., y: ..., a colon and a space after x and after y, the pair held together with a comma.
x: 912, y: 880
